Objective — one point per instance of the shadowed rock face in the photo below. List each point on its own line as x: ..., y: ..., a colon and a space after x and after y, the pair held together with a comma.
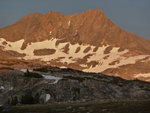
x: 74, y: 86
x: 88, y: 41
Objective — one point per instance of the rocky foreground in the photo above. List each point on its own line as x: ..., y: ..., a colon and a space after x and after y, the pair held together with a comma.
x: 54, y: 85
x: 86, y: 107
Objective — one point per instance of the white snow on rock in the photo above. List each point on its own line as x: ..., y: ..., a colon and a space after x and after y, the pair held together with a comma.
x: 45, y: 76
x: 48, y: 96
x: 2, y: 87
x: 52, y: 78
x: 114, y: 55
x: 25, y: 70
x: 47, y: 44
x: 63, y: 67
x: 50, y: 33
x: 69, y: 23
x: 145, y: 75
x: 71, y: 56
x: 146, y: 60
x: 16, y: 46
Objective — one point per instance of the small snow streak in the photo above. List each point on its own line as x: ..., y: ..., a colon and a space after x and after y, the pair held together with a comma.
x: 50, y: 33
x: 69, y: 23
x: 2, y: 87
x: 48, y: 96
x: 49, y: 77
x: 145, y: 75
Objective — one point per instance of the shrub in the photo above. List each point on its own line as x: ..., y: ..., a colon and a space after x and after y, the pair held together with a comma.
x: 27, y: 99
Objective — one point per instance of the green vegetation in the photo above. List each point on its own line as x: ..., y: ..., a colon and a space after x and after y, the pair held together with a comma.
x: 25, y: 99
x: 14, y: 101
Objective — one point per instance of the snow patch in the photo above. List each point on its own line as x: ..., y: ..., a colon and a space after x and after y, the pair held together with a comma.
x: 48, y: 96
x: 114, y: 55
x: 49, y: 77
x: 50, y: 44
x: 16, y: 46
x: 69, y: 23
x: 63, y: 67
x: 146, y: 60
x: 73, y: 57
x: 50, y: 33
x: 45, y: 76
x: 25, y: 70
x: 145, y: 75
x: 2, y: 87
x: 83, y: 65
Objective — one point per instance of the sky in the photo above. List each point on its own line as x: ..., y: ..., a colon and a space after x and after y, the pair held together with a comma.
x: 131, y: 15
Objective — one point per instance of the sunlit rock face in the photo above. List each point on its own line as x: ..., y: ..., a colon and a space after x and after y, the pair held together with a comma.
x: 88, y: 41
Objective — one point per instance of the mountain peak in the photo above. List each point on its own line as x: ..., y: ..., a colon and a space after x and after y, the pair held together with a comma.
x: 54, y: 13
x: 88, y: 41
x: 32, y: 15
x: 96, y: 11
x: 89, y: 27
x: 92, y: 12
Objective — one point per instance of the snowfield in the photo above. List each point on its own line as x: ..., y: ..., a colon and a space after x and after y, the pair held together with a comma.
x: 71, y: 56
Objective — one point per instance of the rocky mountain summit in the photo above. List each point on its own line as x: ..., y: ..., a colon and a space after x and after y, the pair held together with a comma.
x: 88, y: 41
x: 55, y: 85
